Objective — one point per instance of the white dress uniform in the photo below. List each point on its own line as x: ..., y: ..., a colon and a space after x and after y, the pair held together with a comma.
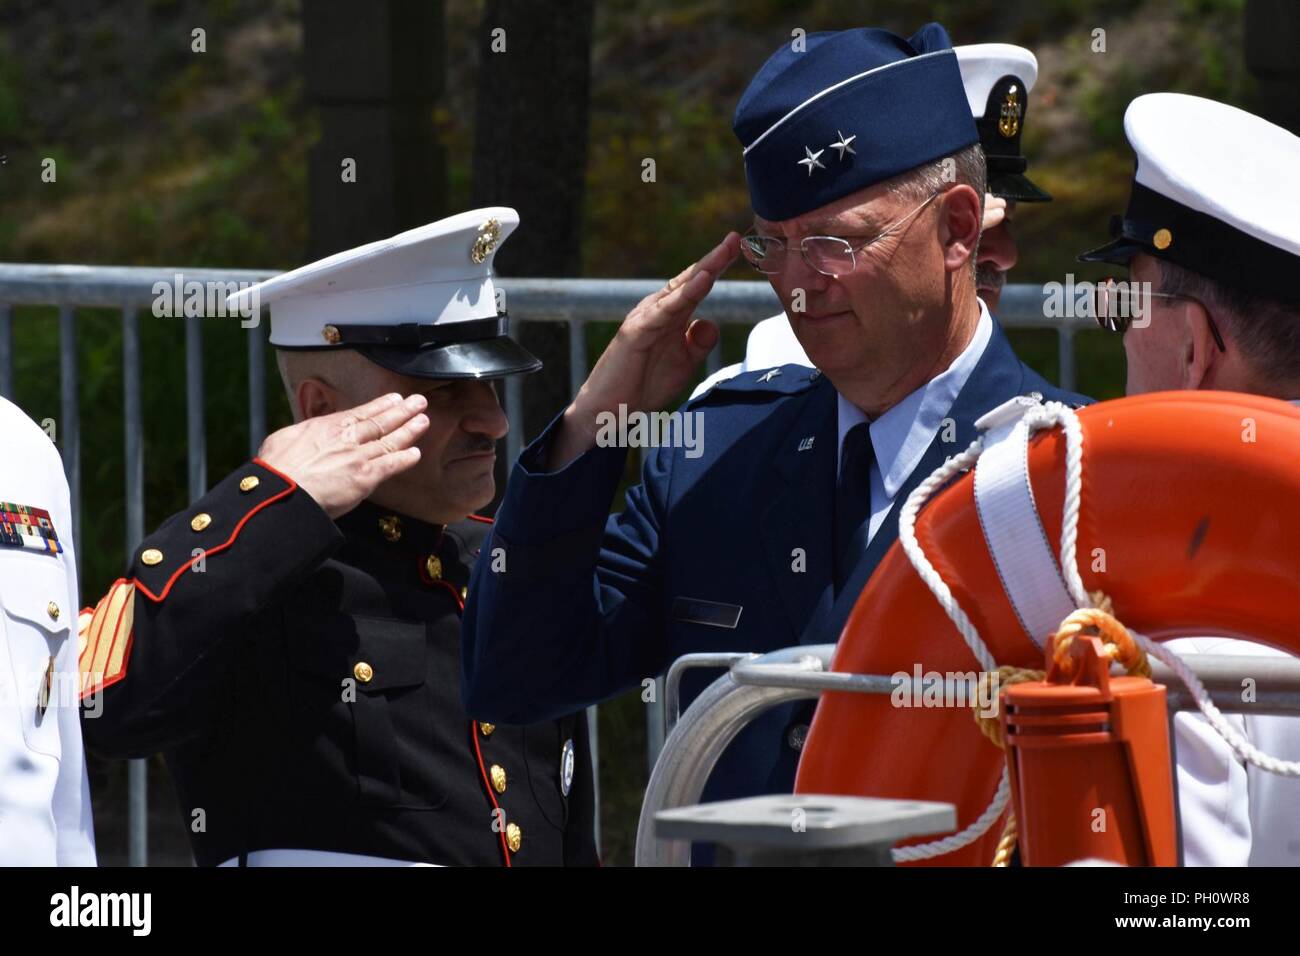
x: 1211, y: 193
x: 45, y: 815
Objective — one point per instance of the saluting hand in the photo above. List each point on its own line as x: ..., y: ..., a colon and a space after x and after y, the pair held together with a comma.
x: 652, y: 356
x: 340, y: 459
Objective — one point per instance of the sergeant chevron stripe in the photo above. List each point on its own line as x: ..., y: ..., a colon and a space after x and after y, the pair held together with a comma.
x: 105, y: 638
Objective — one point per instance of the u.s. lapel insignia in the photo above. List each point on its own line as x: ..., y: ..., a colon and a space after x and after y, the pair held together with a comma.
x: 1009, y: 116
x: 489, y: 234
x: 805, y: 444
x: 22, y: 526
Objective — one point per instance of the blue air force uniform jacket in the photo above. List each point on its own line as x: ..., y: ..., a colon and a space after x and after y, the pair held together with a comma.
x: 302, y: 679
x: 579, y: 606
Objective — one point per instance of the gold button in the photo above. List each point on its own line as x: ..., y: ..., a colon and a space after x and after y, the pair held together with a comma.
x: 1162, y: 239
x: 487, y: 729
x: 249, y: 483
x: 200, y: 521
x: 330, y: 334
x: 363, y: 672
x: 391, y: 526
x: 498, y: 775
x: 514, y: 837
x: 53, y: 610
x: 151, y: 557
x: 464, y: 593
x: 434, y: 566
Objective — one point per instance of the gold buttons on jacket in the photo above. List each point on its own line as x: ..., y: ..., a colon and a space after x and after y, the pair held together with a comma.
x: 151, y: 556
x: 200, y: 521
x: 391, y: 527
x: 433, y: 565
x: 331, y: 334
x: 498, y: 775
x: 363, y: 672
x: 52, y: 610
x: 487, y: 729
x: 249, y: 483
x: 514, y: 837
x: 1162, y: 239
x: 464, y: 593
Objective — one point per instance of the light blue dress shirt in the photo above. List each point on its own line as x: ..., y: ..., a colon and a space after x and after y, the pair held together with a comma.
x: 901, y: 435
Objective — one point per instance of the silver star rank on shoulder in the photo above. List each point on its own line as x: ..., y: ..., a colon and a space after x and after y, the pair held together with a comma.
x: 811, y: 159
x: 843, y: 145
x: 770, y: 375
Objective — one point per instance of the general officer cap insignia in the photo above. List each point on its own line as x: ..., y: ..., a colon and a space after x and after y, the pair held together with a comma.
x: 421, y: 303
x: 847, y: 110
x: 1214, y: 191
x: 998, y: 78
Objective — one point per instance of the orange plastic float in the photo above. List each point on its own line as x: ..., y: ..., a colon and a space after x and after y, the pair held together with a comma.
x: 1190, y: 523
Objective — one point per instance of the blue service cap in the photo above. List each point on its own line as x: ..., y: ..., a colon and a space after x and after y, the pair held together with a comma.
x: 853, y: 108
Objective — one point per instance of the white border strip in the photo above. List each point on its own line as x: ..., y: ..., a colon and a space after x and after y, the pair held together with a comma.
x: 832, y: 89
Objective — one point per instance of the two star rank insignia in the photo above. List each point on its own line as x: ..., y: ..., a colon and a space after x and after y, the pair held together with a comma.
x: 22, y: 526
x: 843, y: 146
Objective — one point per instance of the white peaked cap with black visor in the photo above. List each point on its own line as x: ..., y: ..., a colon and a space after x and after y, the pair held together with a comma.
x: 421, y: 303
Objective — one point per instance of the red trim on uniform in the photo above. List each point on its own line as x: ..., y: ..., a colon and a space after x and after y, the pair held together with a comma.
x: 293, y: 486
x: 473, y: 732
x: 104, y: 685
x: 484, y: 518
x: 455, y: 593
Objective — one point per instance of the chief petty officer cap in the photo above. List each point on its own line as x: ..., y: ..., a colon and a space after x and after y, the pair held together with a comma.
x: 851, y: 109
x: 1214, y: 191
x: 421, y: 303
x: 998, y: 78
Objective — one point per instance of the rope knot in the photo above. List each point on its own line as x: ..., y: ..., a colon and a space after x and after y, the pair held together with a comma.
x: 1100, y: 622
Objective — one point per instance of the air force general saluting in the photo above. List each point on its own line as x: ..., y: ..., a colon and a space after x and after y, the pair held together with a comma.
x: 866, y: 180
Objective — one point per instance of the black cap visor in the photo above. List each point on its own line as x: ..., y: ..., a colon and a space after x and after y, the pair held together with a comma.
x: 1123, y: 247
x: 479, y: 358
x: 1016, y: 187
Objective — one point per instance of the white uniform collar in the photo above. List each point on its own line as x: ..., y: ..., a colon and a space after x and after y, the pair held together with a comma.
x: 901, y: 435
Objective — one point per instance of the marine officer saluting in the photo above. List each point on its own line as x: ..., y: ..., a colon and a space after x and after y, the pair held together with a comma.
x: 44, y: 795
x: 291, y: 641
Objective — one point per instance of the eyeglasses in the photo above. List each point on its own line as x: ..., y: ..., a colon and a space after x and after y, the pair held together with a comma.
x: 832, y: 256
x: 1115, y: 304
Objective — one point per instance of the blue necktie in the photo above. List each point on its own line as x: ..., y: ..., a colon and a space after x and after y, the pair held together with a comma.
x: 852, y: 500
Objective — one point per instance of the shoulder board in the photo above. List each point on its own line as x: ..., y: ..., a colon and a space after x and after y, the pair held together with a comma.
x: 781, y: 380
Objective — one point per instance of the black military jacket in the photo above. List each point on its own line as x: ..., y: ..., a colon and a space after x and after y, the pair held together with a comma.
x: 302, y: 678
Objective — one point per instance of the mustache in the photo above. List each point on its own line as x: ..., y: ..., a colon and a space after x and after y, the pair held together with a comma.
x: 990, y: 279
x: 475, y: 446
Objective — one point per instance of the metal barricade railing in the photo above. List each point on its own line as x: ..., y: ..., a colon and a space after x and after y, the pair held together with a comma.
x: 754, y: 683
x: 131, y: 289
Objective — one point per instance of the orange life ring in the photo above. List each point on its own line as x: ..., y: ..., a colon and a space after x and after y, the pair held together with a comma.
x: 1190, y: 522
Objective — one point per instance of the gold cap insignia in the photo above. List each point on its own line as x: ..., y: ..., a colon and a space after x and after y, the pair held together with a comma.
x: 1009, y: 116
x: 489, y: 234
x: 1162, y: 239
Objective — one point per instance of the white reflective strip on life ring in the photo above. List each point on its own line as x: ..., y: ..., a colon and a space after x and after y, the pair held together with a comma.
x: 1014, y: 533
